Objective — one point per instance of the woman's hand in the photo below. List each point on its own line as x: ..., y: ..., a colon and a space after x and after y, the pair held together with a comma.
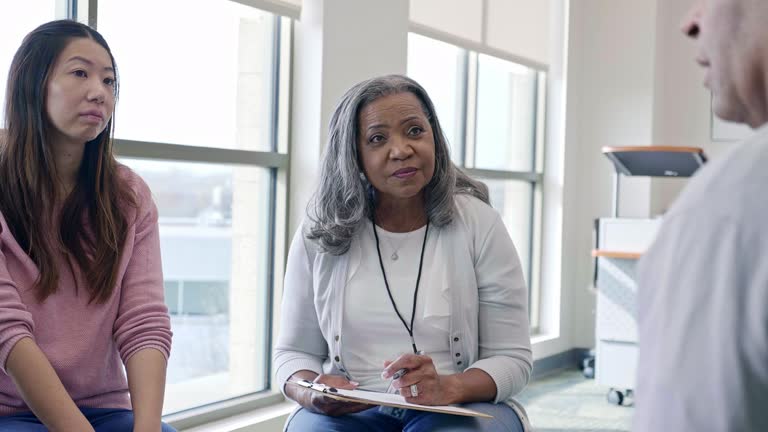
x: 317, y: 402
x: 332, y: 407
x: 432, y: 389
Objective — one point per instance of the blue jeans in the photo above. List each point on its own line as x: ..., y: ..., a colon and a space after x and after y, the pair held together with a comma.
x: 102, y: 420
x: 373, y: 420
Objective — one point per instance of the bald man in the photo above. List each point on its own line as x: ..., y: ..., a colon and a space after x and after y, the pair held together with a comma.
x: 703, y: 285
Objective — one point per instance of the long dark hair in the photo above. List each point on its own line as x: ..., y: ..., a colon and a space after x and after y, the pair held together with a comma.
x: 92, y: 226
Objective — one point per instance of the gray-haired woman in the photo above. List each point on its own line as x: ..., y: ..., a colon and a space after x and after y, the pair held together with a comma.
x: 401, y: 264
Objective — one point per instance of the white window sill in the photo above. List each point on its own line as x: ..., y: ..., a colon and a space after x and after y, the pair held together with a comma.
x: 543, y: 337
x: 270, y: 418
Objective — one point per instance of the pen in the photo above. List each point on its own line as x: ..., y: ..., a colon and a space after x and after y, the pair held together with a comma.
x: 324, y: 388
x: 397, y: 375
x: 402, y: 371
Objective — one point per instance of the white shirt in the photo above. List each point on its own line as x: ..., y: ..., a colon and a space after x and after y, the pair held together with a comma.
x: 703, y: 303
x: 488, y: 306
x: 368, y: 309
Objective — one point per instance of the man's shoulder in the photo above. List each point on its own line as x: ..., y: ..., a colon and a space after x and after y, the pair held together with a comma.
x: 721, y: 203
x: 730, y: 185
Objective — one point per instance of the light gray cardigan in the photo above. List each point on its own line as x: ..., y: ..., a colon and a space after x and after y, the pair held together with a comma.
x: 489, y: 303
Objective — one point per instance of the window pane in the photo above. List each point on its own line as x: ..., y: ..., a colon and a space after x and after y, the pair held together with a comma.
x: 439, y: 68
x: 215, y: 227
x: 17, y: 19
x: 506, y: 115
x: 513, y: 199
x: 193, y: 72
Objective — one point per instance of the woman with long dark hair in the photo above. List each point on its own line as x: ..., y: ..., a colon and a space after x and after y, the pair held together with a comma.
x: 81, y: 287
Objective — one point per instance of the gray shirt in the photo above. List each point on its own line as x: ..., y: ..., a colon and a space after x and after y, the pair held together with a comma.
x: 703, y: 303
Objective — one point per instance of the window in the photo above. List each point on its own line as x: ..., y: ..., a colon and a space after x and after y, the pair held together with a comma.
x: 206, y: 82
x: 506, y: 116
x: 201, y: 118
x: 492, y: 110
x: 446, y: 89
x: 215, y: 234
x: 16, y: 20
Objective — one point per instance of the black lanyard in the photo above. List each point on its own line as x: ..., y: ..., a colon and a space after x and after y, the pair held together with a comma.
x: 415, y: 292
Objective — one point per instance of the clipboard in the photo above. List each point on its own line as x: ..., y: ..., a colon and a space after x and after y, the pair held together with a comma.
x: 383, y: 399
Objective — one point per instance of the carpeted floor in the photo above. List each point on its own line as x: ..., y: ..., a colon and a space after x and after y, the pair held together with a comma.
x: 568, y: 402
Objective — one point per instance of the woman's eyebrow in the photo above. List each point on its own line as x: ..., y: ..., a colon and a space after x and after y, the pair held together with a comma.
x: 376, y: 126
x: 410, y: 118
x: 88, y: 62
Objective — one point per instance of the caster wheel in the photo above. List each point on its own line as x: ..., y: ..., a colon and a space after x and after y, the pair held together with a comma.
x: 629, y: 398
x: 615, y: 397
x: 588, y: 367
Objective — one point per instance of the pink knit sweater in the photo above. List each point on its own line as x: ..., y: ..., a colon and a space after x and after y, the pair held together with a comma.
x: 87, y: 344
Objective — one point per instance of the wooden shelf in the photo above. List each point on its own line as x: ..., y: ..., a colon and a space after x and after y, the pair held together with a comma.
x: 668, y: 149
x: 616, y: 254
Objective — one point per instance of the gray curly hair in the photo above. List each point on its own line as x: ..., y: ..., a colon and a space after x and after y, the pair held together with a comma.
x: 344, y: 197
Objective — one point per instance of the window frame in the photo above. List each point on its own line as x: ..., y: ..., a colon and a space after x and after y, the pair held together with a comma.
x: 467, y: 146
x: 277, y: 161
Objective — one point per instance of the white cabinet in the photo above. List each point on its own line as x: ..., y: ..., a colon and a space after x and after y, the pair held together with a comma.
x: 620, y: 242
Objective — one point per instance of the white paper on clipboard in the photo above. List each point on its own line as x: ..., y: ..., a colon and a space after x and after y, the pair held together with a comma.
x: 385, y: 399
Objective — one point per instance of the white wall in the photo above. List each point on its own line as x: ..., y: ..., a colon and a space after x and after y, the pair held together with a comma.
x: 338, y: 43
x: 610, y: 103
x: 632, y: 80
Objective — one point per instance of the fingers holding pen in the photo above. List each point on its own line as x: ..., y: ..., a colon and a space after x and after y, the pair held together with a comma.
x: 410, y: 362
x: 415, y: 377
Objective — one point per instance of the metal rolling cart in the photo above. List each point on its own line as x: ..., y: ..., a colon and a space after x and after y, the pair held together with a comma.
x: 619, y: 243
